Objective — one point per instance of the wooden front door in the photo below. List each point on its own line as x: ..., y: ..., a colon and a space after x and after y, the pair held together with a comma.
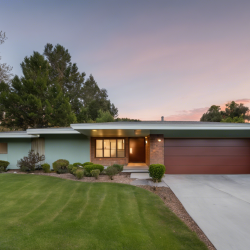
x: 137, y: 150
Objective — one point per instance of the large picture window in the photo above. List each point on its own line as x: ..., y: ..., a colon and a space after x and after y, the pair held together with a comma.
x: 108, y: 148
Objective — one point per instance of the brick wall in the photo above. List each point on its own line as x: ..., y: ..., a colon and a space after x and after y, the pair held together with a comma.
x: 108, y: 161
x: 156, y: 149
x: 147, y: 148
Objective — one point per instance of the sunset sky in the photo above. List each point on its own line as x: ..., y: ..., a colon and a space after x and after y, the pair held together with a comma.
x: 156, y: 58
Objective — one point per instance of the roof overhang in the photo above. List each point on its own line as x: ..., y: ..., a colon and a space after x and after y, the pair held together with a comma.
x: 17, y: 135
x: 52, y: 131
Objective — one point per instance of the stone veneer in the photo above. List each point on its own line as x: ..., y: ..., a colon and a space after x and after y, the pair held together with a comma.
x: 156, y: 149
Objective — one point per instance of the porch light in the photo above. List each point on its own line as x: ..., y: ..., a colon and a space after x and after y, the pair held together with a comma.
x: 94, y: 130
x: 159, y: 139
x: 131, y: 150
x: 146, y: 141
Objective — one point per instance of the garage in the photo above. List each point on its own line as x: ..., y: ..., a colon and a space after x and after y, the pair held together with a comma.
x: 207, y: 156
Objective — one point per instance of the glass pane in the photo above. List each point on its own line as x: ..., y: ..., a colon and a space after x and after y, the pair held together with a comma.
x: 113, y: 152
x: 99, y: 153
x: 106, y: 152
x: 120, y: 144
x: 106, y: 144
x: 120, y: 153
x: 99, y: 144
x: 113, y: 144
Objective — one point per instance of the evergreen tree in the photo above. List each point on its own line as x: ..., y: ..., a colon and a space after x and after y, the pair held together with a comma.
x: 32, y: 100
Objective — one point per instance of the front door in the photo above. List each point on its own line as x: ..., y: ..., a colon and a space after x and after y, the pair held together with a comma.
x: 137, y: 150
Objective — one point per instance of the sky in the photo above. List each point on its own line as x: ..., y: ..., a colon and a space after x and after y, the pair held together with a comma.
x: 155, y: 58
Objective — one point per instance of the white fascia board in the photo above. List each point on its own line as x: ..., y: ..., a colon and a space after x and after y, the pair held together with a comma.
x: 52, y: 131
x: 10, y: 135
x: 93, y: 126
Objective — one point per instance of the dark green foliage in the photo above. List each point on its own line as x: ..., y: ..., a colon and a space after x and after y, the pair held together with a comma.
x: 46, y: 168
x: 234, y: 120
x: 1, y: 169
x: 4, y: 165
x: 88, y: 168
x: 79, y: 174
x: 118, y: 167
x: 104, y: 116
x: 28, y: 163
x: 73, y: 170
x: 87, y: 163
x: 156, y: 171
x: 95, y: 173
x: 111, y: 171
x: 76, y: 164
x: 70, y: 167
x: 126, y: 120
x: 34, y: 100
x: 234, y: 112
x: 60, y: 166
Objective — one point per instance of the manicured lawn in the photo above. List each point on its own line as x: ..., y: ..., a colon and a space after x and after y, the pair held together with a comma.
x: 42, y: 212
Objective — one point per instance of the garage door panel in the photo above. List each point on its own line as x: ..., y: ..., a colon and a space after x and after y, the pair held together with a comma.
x: 207, y: 156
x: 207, y: 160
x: 208, y: 169
x: 207, y: 142
x: 170, y: 151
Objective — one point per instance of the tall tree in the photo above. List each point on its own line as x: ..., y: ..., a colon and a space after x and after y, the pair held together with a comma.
x: 234, y: 112
x: 86, y: 98
x: 5, y: 70
x: 32, y: 100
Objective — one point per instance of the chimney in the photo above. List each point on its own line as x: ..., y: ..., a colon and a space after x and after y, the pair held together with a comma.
x: 162, y: 118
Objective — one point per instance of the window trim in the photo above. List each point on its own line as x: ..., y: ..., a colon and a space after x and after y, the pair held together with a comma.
x: 110, y: 148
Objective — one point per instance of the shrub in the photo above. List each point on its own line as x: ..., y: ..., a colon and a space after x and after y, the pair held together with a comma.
x: 87, y: 174
x: 88, y: 168
x: 1, y: 169
x: 118, y: 167
x: 79, y: 174
x: 4, y: 165
x: 77, y: 164
x: 156, y: 171
x: 46, y: 168
x: 28, y: 163
x: 87, y: 163
x: 95, y: 173
x: 111, y: 171
x: 70, y: 167
x: 73, y: 170
x: 60, y: 166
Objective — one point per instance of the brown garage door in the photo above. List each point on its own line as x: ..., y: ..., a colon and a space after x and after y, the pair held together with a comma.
x: 207, y: 156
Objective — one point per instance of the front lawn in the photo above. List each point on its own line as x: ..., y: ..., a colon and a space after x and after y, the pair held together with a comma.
x: 42, y: 212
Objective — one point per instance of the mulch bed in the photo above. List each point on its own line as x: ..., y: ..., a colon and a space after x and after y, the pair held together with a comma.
x: 165, y: 193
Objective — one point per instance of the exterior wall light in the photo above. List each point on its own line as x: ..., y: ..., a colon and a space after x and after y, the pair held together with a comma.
x: 159, y: 139
x: 131, y: 150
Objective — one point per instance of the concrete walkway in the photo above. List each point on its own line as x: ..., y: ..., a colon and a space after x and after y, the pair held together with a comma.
x: 220, y: 205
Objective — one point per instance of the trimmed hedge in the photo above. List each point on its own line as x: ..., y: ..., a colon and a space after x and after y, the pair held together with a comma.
x: 156, y: 171
x: 60, y: 166
x: 79, y: 174
x: 46, y: 168
x: 76, y: 164
x: 87, y: 163
x: 4, y: 165
x: 118, y: 167
x: 95, y: 173
x: 111, y: 171
x: 88, y: 168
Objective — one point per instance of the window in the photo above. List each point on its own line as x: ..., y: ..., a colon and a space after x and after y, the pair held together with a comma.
x: 3, y: 148
x: 114, y: 148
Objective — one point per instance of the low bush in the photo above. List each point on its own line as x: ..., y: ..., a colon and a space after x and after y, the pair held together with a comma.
x: 29, y: 163
x: 61, y: 166
x: 87, y: 163
x: 1, y: 169
x: 77, y: 164
x: 4, y: 165
x: 111, y: 171
x: 87, y: 174
x: 79, y: 174
x: 70, y: 167
x: 89, y: 168
x: 73, y: 170
x: 118, y: 167
x: 156, y: 171
x: 46, y: 168
x: 95, y: 173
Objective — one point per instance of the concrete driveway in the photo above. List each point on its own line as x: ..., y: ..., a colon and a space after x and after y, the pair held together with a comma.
x: 219, y: 204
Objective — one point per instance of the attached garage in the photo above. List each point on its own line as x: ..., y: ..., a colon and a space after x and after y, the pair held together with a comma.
x: 207, y: 156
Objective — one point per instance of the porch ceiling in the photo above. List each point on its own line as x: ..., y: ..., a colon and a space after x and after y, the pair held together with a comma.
x: 114, y: 132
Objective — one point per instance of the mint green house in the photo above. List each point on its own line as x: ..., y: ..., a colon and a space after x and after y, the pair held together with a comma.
x: 183, y: 147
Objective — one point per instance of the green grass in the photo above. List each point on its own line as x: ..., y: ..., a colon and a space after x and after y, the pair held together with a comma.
x: 42, y: 212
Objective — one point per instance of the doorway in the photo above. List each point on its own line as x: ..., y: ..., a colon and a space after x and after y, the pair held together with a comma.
x: 137, y: 150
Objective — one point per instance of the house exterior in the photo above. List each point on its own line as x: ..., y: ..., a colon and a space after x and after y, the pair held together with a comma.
x: 183, y: 147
